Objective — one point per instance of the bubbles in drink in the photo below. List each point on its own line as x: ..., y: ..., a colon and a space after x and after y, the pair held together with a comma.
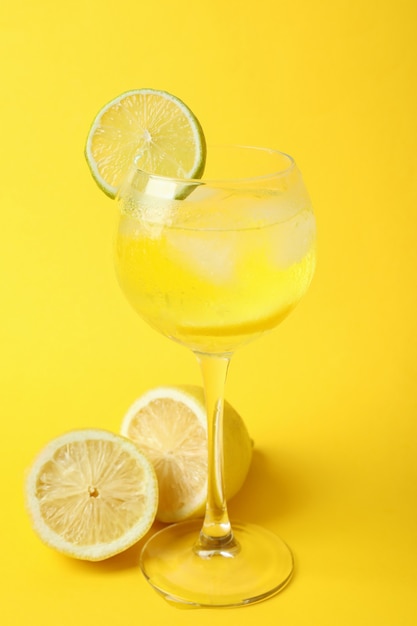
x: 146, y: 215
x: 293, y: 239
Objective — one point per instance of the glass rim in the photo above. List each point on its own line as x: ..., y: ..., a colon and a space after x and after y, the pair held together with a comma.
x: 218, y: 180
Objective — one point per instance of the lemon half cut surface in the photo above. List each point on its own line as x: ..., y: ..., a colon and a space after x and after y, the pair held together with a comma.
x: 150, y: 127
x: 91, y: 494
x: 169, y: 426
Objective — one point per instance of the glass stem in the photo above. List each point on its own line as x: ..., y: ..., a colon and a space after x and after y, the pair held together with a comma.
x: 216, y: 536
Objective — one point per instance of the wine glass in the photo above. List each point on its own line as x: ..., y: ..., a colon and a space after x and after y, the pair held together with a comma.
x: 213, y: 264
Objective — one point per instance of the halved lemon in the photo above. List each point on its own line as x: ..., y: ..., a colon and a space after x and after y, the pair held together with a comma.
x: 169, y: 426
x: 91, y: 494
x: 149, y: 126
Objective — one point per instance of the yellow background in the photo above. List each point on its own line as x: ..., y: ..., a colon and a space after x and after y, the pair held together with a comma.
x: 329, y: 397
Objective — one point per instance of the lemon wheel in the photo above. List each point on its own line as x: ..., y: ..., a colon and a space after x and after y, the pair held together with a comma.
x: 91, y: 494
x: 169, y: 425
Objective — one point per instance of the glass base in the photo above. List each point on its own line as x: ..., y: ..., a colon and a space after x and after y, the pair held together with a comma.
x: 260, y: 569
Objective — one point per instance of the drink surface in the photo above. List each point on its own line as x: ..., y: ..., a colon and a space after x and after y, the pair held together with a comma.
x: 216, y: 273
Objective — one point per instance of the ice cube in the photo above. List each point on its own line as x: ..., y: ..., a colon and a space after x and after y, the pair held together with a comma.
x: 211, y: 256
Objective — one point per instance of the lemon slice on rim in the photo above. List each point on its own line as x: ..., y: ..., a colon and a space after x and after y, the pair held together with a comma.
x: 91, y: 494
x: 169, y: 426
x: 151, y: 126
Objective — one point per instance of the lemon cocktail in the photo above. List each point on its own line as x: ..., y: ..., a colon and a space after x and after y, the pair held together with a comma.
x: 214, y: 247
x: 217, y: 268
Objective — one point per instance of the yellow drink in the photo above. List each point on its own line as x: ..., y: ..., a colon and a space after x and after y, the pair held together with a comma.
x: 208, y: 283
x: 212, y: 264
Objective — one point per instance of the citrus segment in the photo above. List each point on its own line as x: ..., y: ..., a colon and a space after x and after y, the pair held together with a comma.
x: 151, y: 127
x: 91, y: 494
x: 169, y: 425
